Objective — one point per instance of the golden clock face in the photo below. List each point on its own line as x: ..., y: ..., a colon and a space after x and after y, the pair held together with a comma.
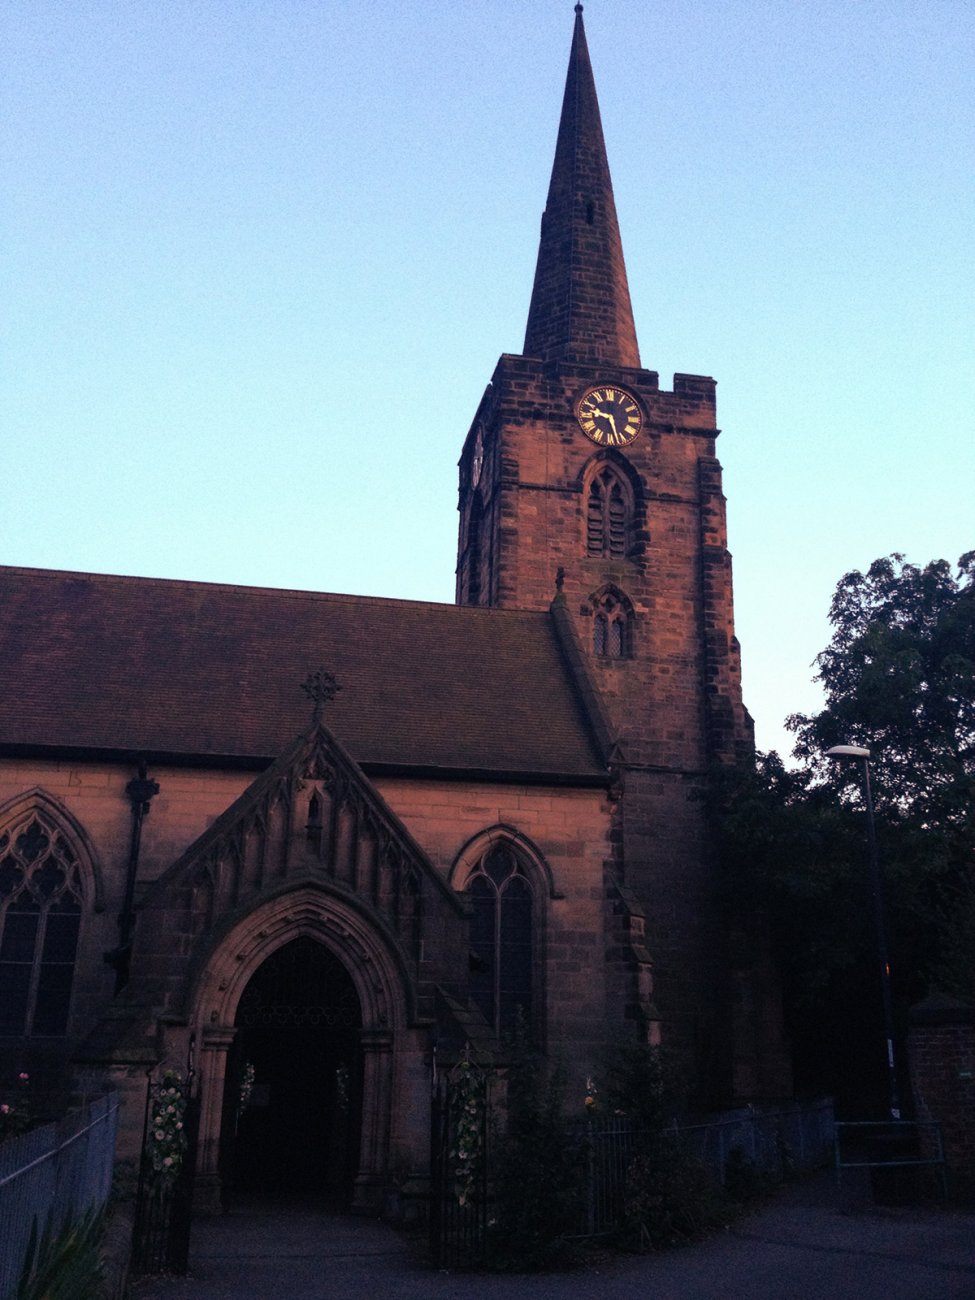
x: 609, y: 415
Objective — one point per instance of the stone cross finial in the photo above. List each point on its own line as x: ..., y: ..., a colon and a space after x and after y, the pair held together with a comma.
x: 320, y: 687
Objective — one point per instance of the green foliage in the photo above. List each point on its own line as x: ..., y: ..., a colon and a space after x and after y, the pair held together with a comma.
x: 670, y: 1197
x: 793, y: 854
x: 539, y: 1173
x: 65, y: 1263
x: 644, y: 1084
x: 899, y: 677
x: 468, y: 1150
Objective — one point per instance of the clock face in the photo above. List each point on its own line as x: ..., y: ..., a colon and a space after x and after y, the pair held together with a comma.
x: 478, y: 460
x: 609, y: 415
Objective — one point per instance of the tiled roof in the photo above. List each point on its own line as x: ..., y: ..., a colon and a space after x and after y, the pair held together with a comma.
x: 195, y: 669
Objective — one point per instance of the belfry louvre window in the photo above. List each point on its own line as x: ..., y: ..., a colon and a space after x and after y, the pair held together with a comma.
x: 40, y: 917
x: 502, y: 938
x: 608, y: 514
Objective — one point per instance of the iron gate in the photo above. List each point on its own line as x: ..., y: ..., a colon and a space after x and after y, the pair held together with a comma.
x: 163, y: 1212
x: 459, y: 1166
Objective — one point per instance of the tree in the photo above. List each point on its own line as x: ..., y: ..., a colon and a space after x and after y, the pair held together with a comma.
x: 899, y: 679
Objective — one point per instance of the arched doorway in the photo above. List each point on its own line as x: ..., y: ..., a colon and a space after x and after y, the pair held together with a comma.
x: 292, y: 1102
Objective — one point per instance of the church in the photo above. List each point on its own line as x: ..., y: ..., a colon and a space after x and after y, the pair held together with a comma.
x: 309, y: 846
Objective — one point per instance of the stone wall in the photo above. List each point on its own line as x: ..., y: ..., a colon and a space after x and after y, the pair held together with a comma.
x: 566, y: 834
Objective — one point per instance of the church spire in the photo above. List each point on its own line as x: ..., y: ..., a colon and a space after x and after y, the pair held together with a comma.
x: 580, y: 308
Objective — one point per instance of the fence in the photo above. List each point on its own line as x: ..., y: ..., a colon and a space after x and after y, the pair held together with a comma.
x: 52, y: 1174
x: 780, y: 1141
x: 895, y: 1152
x: 776, y: 1142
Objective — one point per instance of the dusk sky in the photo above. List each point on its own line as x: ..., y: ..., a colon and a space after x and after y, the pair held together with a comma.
x: 260, y: 258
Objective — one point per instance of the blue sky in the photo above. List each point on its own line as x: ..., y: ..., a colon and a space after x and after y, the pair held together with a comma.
x: 260, y: 258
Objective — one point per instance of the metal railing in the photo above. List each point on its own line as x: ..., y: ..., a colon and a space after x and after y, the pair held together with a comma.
x: 51, y: 1174
x: 894, y: 1151
x: 779, y: 1141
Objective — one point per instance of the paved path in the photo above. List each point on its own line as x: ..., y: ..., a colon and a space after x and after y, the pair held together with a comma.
x: 802, y: 1247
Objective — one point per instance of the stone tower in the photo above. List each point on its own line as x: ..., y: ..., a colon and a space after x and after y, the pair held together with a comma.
x: 580, y: 474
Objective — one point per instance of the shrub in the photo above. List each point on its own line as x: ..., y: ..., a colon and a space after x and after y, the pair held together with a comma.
x: 539, y: 1172
x: 669, y: 1196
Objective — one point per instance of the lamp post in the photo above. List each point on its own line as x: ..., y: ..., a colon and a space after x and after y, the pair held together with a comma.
x: 877, y: 889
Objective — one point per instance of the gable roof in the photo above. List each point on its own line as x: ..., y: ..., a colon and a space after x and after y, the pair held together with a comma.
x: 205, y: 672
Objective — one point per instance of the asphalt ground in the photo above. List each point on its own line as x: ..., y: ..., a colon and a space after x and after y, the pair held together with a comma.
x: 810, y: 1243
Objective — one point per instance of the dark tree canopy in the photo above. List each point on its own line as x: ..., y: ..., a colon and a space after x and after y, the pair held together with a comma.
x: 899, y: 680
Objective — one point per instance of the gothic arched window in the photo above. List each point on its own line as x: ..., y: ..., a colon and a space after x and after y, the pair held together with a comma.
x: 612, y: 626
x: 502, y: 938
x: 41, y: 900
x: 609, y: 513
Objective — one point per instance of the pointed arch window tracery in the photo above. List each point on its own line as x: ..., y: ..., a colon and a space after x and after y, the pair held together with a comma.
x: 612, y: 625
x: 41, y: 903
x: 503, y: 938
x: 609, y: 513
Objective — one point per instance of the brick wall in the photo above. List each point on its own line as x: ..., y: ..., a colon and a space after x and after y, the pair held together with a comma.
x: 941, y: 1049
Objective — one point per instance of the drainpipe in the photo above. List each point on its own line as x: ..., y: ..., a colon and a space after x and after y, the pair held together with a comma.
x: 140, y: 790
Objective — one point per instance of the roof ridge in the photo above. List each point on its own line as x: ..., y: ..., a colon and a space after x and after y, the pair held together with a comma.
x: 301, y: 593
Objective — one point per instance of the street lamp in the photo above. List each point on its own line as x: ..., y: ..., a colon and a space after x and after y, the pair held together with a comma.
x: 877, y: 888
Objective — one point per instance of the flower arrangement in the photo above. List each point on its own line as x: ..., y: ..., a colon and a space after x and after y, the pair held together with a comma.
x: 246, y: 1087
x: 166, y: 1137
x: 469, y: 1147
